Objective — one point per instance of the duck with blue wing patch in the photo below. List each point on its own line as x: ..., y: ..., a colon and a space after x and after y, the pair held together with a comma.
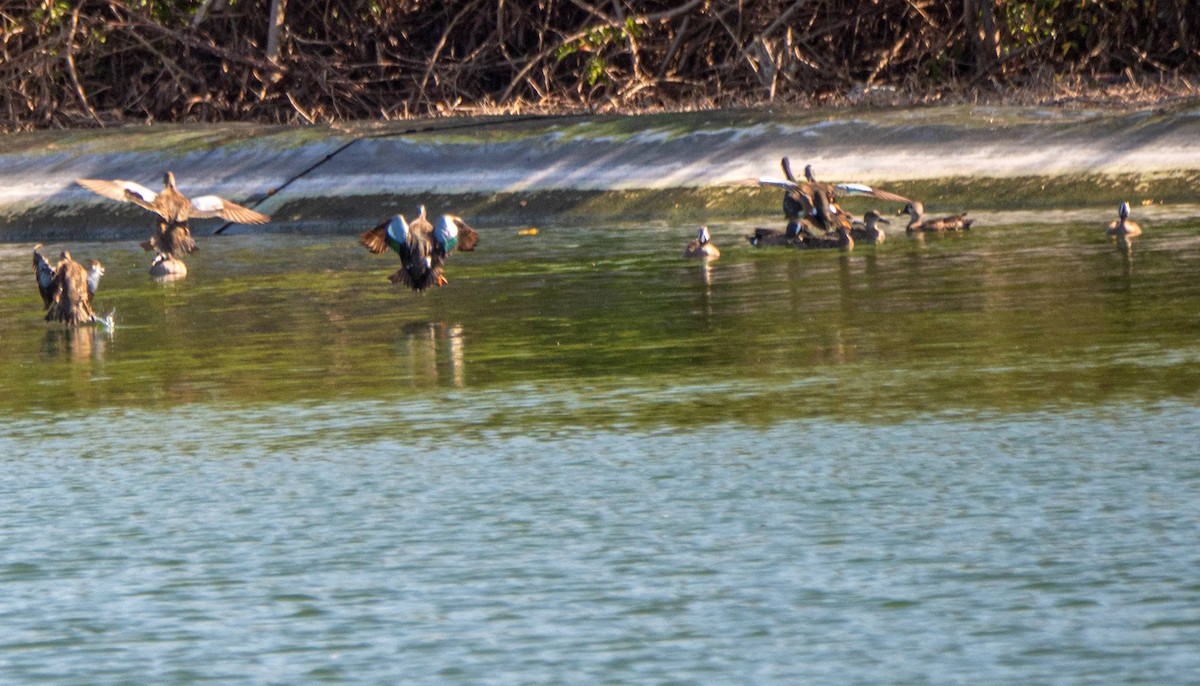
x: 422, y: 246
x: 67, y: 289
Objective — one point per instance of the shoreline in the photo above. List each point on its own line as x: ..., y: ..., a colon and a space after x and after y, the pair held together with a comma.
x: 690, y: 166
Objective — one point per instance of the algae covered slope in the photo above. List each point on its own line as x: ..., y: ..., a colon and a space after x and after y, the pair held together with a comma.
x: 676, y: 166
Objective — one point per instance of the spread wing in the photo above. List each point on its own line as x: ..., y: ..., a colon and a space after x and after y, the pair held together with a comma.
x: 215, y: 206
x: 777, y: 182
x: 375, y: 240
x: 863, y: 189
x: 452, y: 233
x: 115, y: 189
x: 45, y: 277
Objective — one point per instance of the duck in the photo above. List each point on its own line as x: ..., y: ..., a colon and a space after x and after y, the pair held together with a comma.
x: 173, y: 237
x: 68, y: 289
x: 1122, y: 229
x: 840, y: 239
x: 817, y: 201
x: 870, y: 232
x: 796, y: 232
x: 422, y: 246
x: 702, y: 247
x: 918, y: 223
x: 166, y: 267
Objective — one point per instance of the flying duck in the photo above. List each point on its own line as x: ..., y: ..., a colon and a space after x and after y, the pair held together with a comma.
x: 869, y: 232
x: 172, y: 237
x: 423, y: 247
x: 1122, y: 229
x: 918, y: 223
x: 68, y: 288
x: 702, y: 246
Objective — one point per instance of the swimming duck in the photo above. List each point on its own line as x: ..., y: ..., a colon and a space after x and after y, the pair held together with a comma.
x: 918, y: 223
x: 796, y: 232
x: 172, y: 237
x: 841, y: 238
x: 702, y: 246
x: 423, y: 247
x: 1123, y: 230
x: 167, y: 268
x: 869, y: 231
x: 67, y: 289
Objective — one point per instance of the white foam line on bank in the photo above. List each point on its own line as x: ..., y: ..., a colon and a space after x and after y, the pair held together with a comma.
x: 921, y: 146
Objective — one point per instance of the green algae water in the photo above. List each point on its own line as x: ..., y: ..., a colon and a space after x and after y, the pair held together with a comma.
x: 585, y: 459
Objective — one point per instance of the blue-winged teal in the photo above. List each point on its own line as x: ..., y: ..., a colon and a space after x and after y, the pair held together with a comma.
x: 422, y: 247
x: 816, y: 201
x: 702, y: 246
x: 1122, y: 229
x: 173, y: 236
x: 839, y: 238
x: 918, y: 223
x: 68, y: 288
x: 870, y: 232
x: 797, y: 231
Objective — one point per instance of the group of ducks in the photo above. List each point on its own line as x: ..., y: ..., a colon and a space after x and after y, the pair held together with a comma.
x: 816, y: 221
x: 68, y: 288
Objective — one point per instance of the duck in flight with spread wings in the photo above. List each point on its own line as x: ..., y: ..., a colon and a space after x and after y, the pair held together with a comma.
x: 172, y: 238
x: 423, y: 247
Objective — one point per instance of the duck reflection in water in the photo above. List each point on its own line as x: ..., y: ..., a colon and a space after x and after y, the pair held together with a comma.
x: 430, y: 348
x: 80, y: 344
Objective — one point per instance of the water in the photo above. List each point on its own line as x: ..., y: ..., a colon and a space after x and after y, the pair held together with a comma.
x: 586, y: 460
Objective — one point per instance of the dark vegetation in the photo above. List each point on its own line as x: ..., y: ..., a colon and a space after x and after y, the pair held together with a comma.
x: 102, y: 62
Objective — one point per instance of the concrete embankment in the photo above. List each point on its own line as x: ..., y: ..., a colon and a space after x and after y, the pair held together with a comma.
x: 690, y: 167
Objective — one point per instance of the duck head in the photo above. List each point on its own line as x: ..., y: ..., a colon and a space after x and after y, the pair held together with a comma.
x: 703, y: 236
x: 1123, y: 210
x: 95, y: 271
x: 168, y: 180
x: 872, y: 217
x: 914, y: 209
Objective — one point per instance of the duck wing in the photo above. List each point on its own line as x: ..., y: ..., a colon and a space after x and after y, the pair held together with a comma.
x: 45, y: 277
x: 71, y: 304
x: 116, y: 189
x: 452, y: 233
x: 863, y: 189
x: 216, y: 206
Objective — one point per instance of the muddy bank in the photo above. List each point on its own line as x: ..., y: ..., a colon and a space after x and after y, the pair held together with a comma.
x: 686, y: 167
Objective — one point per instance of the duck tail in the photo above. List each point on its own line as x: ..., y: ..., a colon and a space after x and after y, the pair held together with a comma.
x: 417, y: 282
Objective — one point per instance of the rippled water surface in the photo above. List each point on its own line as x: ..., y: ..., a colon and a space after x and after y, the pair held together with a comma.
x: 586, y: 460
